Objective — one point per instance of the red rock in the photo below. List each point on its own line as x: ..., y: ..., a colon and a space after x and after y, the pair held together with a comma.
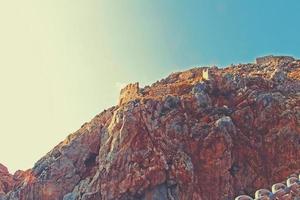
x: 6, y: 180
x: 181, y: 138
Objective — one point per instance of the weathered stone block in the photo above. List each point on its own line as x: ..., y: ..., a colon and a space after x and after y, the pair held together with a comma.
x: 129, y: 93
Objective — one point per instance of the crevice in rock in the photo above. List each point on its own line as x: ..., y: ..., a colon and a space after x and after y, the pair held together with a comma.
x: 91, y: 160
x: 234, y: 169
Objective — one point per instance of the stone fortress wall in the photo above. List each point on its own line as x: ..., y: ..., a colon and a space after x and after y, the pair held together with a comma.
x: 129, y: 93
x: 273, y: 59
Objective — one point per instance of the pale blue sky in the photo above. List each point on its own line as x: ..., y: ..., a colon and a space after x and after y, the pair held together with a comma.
x: 63, y: 61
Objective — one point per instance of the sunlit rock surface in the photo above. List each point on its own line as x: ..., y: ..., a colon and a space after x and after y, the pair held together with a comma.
x: 186, y: 137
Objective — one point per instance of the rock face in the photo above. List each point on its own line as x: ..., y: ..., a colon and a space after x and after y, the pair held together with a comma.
x: 6, y: 180
x: 286, y: 190
x: 182, y: 138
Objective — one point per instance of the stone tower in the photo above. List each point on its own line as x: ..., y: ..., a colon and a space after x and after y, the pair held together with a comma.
x: 129, y: 93
x: 206, y: 74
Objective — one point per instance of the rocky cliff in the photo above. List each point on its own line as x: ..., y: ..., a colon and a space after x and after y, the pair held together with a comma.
x: 185, y: 137
x: 6, y: 180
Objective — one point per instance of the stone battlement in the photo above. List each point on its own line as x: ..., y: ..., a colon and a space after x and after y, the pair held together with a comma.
x: 129, y: 92
x: 273, y: 59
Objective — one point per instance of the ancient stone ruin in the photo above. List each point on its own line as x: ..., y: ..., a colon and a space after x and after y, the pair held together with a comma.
x: 273, y: 59
x: 206, y: 74
x: 130, y: 92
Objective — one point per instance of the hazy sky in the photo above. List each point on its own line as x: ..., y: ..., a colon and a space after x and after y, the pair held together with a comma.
x: 63, y: 61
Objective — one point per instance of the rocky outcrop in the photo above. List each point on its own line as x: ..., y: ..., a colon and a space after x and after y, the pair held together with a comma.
x: 182, y: 138
x: 6, y: 180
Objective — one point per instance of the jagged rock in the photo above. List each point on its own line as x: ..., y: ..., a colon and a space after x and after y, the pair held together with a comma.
x: 225, y: 123
x: 6, y: 180
x: 199, y: 88
x: 278, y: 75
x: 200, y: 92
x: 182, y: 138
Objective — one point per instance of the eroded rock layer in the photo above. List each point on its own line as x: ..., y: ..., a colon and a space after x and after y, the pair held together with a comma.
x: 186, y: 137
